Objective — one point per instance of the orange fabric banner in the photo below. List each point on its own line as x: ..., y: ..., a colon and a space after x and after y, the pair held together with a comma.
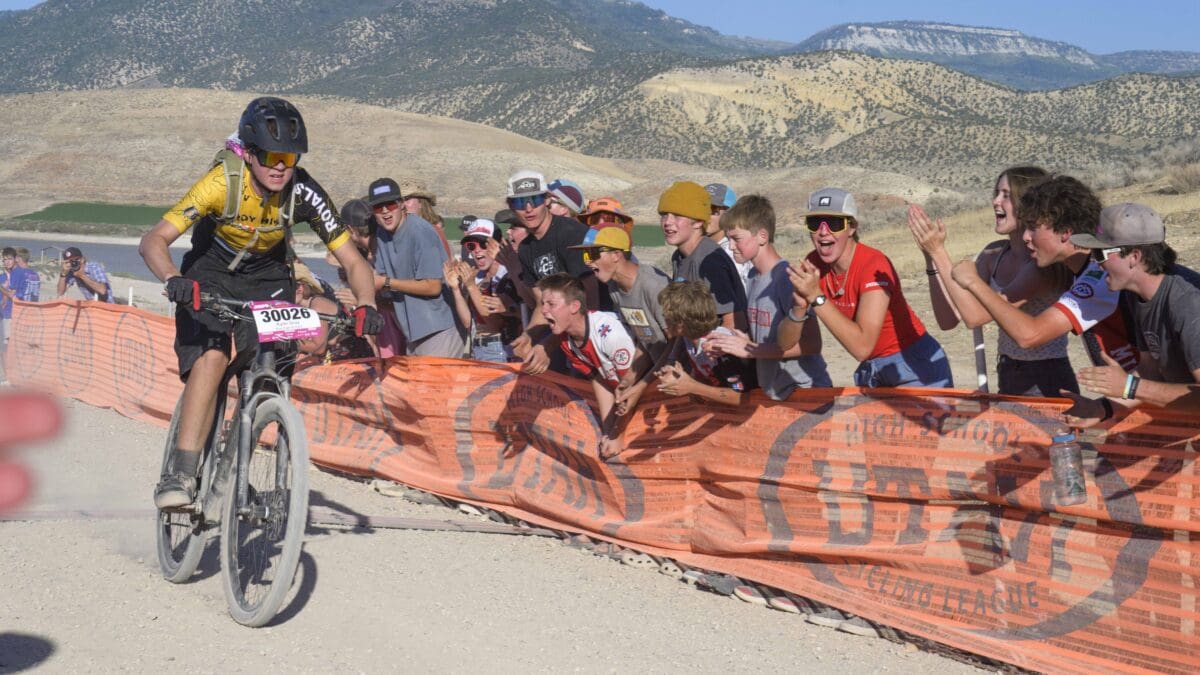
x: 932, y: 511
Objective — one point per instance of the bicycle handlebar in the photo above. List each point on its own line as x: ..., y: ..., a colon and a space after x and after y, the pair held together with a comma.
x: 236, y: 310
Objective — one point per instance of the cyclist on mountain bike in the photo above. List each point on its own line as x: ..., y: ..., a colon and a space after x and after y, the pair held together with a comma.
x: 240, y: 251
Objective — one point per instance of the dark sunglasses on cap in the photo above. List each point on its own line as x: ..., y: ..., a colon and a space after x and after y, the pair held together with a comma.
x: 834, y: 224
x: 521, y: 203
x: 1100, y: 255
x: 386, y: 206
x: 590, y: 254
x: 272, y: 158
x: 602, y: 217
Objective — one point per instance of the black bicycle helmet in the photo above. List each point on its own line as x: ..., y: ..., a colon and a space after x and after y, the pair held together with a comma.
x: 273, y: 124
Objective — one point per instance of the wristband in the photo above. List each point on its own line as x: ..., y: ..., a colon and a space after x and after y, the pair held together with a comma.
x: 932, y: 272
x: 1128, y: 386
x: 1134, y: 387
x: 387, y: 283
x: 792, y: 317
x: 1108, y: 408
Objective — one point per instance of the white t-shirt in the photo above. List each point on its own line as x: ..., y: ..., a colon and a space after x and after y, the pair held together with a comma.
x: 608, y: 348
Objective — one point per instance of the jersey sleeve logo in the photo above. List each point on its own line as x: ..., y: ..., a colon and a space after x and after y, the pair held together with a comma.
x: 621, y: 358
x: 1082, y: 290
x: 604, y: 330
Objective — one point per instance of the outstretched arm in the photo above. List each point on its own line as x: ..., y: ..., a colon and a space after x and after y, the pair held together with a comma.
x: 1027, y: 331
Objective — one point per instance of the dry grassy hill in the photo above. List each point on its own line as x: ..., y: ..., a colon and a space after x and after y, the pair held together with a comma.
x: 147, y: 146
x: 909, y: 116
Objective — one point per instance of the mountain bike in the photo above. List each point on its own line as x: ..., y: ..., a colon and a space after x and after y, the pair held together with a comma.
x: 253, y: 475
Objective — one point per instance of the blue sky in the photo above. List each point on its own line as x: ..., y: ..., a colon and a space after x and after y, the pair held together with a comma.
x: 1099, y: 26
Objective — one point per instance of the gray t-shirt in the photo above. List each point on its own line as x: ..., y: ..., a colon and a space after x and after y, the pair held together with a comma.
x: 414, y: 251
x: 770, y: 298
x: 1168, y: 325
x: 639, y: 309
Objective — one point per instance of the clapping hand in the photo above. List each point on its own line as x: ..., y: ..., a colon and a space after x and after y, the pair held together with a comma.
x: 930, y: 235
x: 673, y: 380
x: 806, y: 283
x: 737, y: 344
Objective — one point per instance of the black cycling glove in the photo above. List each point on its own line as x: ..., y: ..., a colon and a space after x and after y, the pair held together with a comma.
x: 183, y: 291
x: 367, y: 321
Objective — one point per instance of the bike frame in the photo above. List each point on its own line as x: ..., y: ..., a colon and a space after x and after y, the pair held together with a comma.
x: 252, y: 391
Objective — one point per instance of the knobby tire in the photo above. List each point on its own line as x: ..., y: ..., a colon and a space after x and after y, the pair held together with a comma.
x: 181, y: 536
x: 261, y: 546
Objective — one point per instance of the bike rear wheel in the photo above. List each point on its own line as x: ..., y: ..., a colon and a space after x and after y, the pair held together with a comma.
x: 181, y: 535
x: 262, y: 537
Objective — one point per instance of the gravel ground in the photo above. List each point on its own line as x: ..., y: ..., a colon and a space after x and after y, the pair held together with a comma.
x: 83, y: 592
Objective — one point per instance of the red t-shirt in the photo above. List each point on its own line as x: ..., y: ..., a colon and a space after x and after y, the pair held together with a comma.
x: 870, y: 270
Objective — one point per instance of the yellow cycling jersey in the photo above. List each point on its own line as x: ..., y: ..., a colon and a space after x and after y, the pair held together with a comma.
x: 207, y: 199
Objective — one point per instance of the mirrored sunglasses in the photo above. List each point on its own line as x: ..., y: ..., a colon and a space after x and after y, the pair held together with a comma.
x: 386, y: 206
x: 521, y: 203
x: 272, y: 158
x: 1100, y: 255
x: 590, y: 254
x: 834, y: 224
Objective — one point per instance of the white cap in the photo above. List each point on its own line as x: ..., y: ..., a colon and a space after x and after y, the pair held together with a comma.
x: 526, y: 183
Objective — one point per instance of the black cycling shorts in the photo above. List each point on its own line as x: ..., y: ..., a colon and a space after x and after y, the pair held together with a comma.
x: 257, y: 277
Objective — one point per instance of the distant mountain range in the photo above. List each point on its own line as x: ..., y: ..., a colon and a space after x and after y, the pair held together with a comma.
x: 997, y: 54
x: 615, y: 78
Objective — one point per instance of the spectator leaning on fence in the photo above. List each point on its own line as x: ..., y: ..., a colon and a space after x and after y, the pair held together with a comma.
x: 597, y: 346
x: 1051, y: 211
x: 684, y: 211
x: 693, y: 370
x: 750, y: 226
x: 543, y: 252
x: 634, y: 289
x: 484, y: 296
x: 854, y: 291
x: 1164, y: 300
x: 88, y: 276
x: 1009, y: 269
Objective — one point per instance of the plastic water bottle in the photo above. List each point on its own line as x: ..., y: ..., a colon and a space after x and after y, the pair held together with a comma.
x: 1066, y: 464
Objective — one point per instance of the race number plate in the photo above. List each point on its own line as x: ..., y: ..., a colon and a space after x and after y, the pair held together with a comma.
x: 278, y: 321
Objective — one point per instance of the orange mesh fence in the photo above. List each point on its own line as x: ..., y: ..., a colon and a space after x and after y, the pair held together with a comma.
x: 931, y: 511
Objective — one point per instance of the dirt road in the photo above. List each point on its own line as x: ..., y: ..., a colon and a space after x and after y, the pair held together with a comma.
x: 84, y: 592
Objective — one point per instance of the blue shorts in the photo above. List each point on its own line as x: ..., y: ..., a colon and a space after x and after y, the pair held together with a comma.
x: 922, y: 364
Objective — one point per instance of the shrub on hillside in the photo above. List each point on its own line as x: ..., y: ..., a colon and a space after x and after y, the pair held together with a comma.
x: 1183, y: 179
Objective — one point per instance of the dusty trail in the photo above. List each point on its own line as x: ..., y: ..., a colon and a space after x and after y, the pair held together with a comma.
x: 86, y: 593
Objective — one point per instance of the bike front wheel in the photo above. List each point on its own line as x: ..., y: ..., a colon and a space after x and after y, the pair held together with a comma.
x: 262, y: 534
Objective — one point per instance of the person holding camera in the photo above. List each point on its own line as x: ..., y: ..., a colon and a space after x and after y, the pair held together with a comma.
x: 90, y: 277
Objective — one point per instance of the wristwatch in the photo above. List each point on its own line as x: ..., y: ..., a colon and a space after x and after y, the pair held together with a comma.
x: 819, y: 300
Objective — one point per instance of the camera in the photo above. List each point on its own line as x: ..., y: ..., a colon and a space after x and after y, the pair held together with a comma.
x: 74, y: 265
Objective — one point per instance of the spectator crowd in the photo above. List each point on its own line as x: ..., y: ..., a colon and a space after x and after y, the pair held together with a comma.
x: 550, y: 281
